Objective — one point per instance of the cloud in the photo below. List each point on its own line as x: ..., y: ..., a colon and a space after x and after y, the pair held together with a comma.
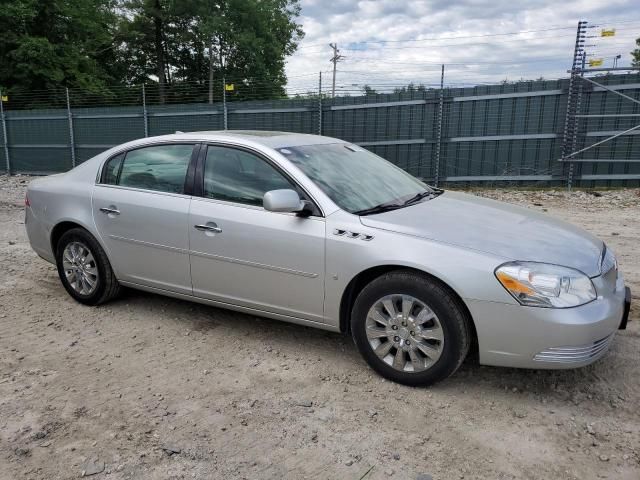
x: 378, y: 40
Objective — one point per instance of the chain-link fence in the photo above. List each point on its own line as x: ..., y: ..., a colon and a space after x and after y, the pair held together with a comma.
x: 506, y: 134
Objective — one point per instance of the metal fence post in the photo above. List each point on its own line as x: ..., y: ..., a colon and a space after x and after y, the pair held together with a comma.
x: 439, y: 129
x: 144, y: 112
x: 224, y: 102
x: 4, y: 136
x: 320, y: 104
x: 71, y: 139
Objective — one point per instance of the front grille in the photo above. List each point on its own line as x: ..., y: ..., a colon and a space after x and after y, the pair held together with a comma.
x: 574, y: 354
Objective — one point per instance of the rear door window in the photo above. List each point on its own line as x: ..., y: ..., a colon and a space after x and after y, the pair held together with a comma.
x: 161, y: 168
x: 111, y: 170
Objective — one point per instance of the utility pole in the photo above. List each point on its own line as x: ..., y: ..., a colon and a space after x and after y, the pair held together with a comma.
x: 335, y: 59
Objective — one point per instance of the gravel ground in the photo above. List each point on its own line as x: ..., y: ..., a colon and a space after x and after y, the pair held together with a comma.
x: 150, y: 387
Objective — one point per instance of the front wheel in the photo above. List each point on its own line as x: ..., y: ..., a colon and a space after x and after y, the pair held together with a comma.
x: 84, y: 269
x: 410, y: 328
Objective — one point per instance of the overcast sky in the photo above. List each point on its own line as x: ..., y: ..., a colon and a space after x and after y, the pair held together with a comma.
x: 378, y: 39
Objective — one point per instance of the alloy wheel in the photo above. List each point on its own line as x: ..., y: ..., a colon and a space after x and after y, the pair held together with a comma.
x: 80, y: 268
x: 404, y: 333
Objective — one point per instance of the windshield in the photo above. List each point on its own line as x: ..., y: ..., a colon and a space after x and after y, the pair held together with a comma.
x: 354, y: 178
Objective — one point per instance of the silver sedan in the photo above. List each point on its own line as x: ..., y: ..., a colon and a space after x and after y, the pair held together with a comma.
x: 321, y: 232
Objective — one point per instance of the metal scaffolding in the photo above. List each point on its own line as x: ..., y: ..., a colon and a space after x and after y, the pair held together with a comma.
x: 577, y: 83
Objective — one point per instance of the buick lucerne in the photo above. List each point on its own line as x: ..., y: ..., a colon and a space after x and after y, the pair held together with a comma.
x: 321, y: 232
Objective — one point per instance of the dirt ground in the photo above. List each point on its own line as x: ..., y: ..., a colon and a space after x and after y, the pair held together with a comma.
x: 150, y: 387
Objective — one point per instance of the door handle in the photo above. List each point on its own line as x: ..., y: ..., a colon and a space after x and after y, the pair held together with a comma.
x: 208, y: 228
x: 110, y: 210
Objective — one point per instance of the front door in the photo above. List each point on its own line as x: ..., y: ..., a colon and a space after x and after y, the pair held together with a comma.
x: 141, y: 213
x: 245, y: 255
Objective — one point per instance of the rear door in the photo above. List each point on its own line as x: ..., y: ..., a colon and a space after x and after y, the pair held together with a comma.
x: 141, y: 210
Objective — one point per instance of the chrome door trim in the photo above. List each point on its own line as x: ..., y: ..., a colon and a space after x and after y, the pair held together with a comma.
x: 149, y: 244
x: 254, y: 264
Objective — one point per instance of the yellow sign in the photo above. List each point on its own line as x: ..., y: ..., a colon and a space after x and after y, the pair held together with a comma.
x: 608, y: 33
x: 5, y: 98
x: 595, y: 62
x: 229, y: 87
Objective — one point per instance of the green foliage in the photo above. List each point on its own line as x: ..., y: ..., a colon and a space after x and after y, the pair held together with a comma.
x: 175, y: 47
x: 636, y: 55
x: 368, y: 90
x: 46, y: 44
x: 411, y: 88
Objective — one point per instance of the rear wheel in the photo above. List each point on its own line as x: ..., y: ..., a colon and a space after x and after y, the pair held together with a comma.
x: 410, y: 328
x: 84, y: 269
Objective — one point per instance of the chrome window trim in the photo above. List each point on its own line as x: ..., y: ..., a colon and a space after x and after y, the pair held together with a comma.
x: 144, y: 190
x: 252, y: 207
x: 126, y: 150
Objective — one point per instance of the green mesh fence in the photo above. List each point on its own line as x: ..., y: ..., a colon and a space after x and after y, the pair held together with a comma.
x: 491, y: 135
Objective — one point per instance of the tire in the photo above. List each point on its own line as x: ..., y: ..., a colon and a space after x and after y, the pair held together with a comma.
x: 101, y: 284
x: 436, y: 323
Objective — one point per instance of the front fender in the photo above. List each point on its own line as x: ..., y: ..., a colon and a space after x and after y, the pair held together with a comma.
x: 467, y: 272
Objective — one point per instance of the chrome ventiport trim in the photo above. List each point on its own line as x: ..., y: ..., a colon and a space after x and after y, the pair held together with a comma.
x: 574, y: 354
x: 345, y: 233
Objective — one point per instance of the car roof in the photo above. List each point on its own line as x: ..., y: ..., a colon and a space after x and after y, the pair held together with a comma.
x: 270, y: 139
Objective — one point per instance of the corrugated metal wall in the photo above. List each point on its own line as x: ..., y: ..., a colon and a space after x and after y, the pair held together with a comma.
x: 502, y: 134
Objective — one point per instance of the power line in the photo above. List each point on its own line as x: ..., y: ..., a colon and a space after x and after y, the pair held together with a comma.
x: 458, y: 37
x: 447, y: 38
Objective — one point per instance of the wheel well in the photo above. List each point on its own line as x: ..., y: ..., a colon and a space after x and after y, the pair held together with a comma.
x: 58, y: 231
x: 364, y: 278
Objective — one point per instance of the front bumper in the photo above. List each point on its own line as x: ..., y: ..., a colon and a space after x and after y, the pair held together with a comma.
x: 512, y: 335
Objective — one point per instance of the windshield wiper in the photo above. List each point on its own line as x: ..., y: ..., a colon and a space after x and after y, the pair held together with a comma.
x: 383, y: 207
x: 419, y: 196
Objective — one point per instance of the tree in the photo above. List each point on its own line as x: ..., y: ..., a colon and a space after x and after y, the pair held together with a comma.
x: 636, y: 55
x: 368, y: 90
x: 54, y: 43
x: 411, y: 88
x: 182, y: 49
x: 202, y: 41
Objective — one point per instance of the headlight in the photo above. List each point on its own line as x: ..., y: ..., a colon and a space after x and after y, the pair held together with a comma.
x: 543, y: 285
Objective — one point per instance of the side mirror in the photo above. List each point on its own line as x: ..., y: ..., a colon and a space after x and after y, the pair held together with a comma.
x: 285, y: 200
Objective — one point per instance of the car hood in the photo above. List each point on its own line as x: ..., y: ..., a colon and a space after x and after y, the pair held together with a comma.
x: 509, y: 231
